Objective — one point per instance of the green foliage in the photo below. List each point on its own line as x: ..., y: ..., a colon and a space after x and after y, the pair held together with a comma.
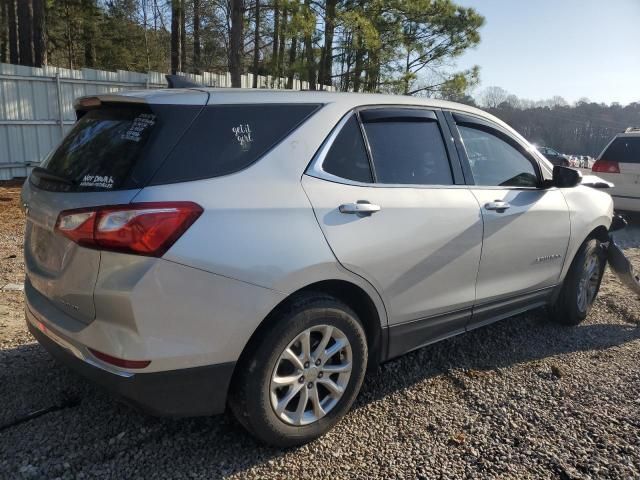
x: 109, y: 35
x: 399, y: 46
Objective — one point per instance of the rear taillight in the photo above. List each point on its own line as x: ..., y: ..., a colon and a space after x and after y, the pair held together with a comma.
x: 120, y: 362
x: 138, y: 228
x: 605, y: 166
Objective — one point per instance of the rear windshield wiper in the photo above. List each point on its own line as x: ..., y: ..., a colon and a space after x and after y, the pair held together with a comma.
x: 45, y: 174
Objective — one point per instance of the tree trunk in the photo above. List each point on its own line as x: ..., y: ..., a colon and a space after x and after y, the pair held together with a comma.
x: 311, y: 63
x: 276, y: 33
x: 12, y: 19
x: 309, y: 55
x: 39, y: 33
x: 89, y: 33
x: 196, y: 36
x: 68, y: 37
x: 256, y: 45
x: 4, y: 24
x: 183, y: 38
x: 145, y: 26
x: 293, y: 52
x: 347, y: 60
x: 359, y: 66
x: 283, y: 39
x: 176, y: 36
x: 373, y: 72
x: 406, y: 73
x: 326, y: 59
x: 236, y: 42
x: 25, y: 31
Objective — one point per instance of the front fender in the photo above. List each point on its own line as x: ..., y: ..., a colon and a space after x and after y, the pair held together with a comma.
x: 589, y: 209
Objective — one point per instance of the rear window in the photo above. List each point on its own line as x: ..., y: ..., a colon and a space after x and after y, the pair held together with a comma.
x: 623, y: 150
x: 225, y: 139
x: 114, y: 147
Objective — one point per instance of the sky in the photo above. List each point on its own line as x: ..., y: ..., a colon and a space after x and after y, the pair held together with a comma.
x: 536, y: 49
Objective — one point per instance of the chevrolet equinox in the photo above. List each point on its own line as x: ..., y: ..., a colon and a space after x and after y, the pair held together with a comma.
x: 198, y: 249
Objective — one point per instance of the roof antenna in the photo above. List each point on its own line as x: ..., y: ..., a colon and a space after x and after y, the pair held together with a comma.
x: 178, y: 81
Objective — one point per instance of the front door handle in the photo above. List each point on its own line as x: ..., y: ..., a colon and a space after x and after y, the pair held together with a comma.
x: 497, y: 205
x: 361, y: 208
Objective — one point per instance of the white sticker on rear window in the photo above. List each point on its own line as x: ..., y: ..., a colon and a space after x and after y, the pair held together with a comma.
x: 141, y: 123
x: 243, y: 135
x: 99, y: 181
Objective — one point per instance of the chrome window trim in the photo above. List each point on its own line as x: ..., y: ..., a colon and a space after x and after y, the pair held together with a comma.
x: 315, y: 168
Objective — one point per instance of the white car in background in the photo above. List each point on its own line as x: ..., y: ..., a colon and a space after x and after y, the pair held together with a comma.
x: 619, y: 163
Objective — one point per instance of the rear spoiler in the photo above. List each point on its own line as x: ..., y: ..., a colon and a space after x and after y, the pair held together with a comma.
x: 83, y: 104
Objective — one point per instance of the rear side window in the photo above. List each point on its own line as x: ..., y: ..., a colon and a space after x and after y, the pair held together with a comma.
x: 114, y: 147
x: 409, y: 152
x: 225, y: 139
x: 347, y: 158
x: 623, y: 150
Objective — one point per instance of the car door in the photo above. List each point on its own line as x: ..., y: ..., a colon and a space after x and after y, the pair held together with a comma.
x: 526, y: 227
x: 395, y: 211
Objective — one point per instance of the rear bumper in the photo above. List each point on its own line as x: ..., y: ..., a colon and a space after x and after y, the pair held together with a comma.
x: 626, y: 202
x: 186, y: 392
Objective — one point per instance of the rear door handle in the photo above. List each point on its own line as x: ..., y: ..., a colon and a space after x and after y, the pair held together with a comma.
x: 497, y: 205
x: 361, y: 207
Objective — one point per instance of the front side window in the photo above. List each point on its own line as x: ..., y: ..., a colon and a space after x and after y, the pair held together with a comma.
x: 494, y: 162
x: 347, y: 157
x: 408, y: 151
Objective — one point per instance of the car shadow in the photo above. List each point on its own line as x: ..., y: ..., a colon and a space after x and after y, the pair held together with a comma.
x: 517, y: 340
x: 218, y: 446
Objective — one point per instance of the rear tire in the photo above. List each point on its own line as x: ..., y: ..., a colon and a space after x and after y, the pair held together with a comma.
x: 286, y: 400
x: 581, y: 284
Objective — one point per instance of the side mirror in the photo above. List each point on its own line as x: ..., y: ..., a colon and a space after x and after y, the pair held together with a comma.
x: 565, y: 177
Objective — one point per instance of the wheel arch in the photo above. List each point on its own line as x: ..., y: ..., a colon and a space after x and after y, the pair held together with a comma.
x: 600, y: 232
x: 352, y: 295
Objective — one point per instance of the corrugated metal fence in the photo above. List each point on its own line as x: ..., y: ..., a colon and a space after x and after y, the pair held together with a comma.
x: 36, y: 105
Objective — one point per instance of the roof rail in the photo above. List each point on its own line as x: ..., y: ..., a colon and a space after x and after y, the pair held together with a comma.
x: 178, y: 81
x: 632, y: 129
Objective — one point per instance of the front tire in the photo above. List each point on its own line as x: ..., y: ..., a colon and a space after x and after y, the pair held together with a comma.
x: 581, y: 285
x: 304, y: 374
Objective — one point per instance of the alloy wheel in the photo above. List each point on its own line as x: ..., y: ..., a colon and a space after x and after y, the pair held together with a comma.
x: 588, y: 283
x: 311, y: 375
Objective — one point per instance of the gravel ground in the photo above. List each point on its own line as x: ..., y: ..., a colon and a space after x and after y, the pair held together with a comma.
x: 521, y: 398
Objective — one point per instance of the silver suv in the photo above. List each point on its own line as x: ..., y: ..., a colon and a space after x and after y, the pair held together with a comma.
x: 199, y: 249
